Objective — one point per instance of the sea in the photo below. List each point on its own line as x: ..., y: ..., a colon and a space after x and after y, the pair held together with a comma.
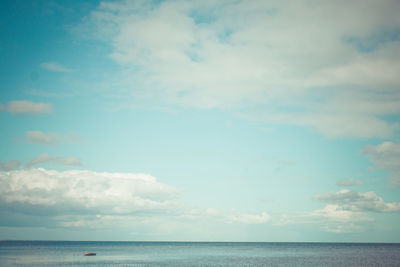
x: 71, y: 253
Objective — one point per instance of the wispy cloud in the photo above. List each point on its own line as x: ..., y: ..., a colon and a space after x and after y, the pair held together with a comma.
x: 43, y: 93
x: 9, y: 165
x: 351, y: 200
x: 250, y: 218
x: 54, y: 66
x: 40, y: 138
x: 349, y: 182
x: 28, y: 107
x: 346, y: 211
x: 49, y: 138
x: 45, y: 158
x: 266, y: 58
x: 385, y: 156
x: 332, y: 218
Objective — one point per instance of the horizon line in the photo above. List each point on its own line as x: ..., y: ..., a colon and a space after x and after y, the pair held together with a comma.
x: 166, y: 241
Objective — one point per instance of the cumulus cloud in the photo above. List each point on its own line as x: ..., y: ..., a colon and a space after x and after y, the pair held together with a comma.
x: 349, y: 182
x: 9, y: 165
x: 28, y: 107
x: 263, y: 57
x: 350, y: 200
x: 332, y: 218
x: 104, y: 200
x: 80, y: 191
x: 336, y: 213
x: 45, y: 158
x: 385, y: 156
x: 54, y: 66
x: 346, y: 211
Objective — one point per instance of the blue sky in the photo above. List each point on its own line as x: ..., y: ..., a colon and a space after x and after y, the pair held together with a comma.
x: 192, y: 120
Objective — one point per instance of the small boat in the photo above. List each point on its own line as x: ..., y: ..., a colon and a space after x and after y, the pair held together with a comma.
x: 89, y: 254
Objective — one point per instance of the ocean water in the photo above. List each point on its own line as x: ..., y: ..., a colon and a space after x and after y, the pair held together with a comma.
x: 66, y: 253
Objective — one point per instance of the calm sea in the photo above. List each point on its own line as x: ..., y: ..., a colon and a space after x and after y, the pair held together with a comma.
x: 63, y: 253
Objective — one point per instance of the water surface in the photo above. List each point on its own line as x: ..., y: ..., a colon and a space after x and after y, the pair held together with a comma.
x: 68, y: 253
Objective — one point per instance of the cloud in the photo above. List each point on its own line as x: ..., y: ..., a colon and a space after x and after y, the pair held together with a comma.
x: 103, y: 200
x: 385, y: 156
x: 349, y: 182
x: 49, y: 138
x: 40, y: 138
x: 332, y: 218
x: 9, y: 165
x: 28, y: 107
x: 83, y: 191
x: 43, y: 93
x: 45, y: 158
x: 350, y: 200
x: 54, y: 66
x: 250, y: 218
x: 336, y: 213
x: 266, y: 59
x: 347, y: 211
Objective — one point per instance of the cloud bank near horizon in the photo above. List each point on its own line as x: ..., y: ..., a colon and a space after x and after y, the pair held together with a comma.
x: 89, y: 199
x: 83, y: 198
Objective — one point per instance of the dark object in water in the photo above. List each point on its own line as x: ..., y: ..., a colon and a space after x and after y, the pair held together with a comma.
x: 89, y: 254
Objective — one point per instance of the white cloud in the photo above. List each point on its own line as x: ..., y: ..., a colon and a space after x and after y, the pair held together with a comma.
x: 49, y: 138
x: 250, y: 218
x: 385, y: 156
x: 332, y: 218
x: 349, y: 182
x: 45, y: 158
x: 85, y: 191
x: 346, y: 212
x: 350, y: 200
x: 54, y: 66
x: 28, y: 107
x: 9, y: 165
x: 262, y: 55
x: 43, y: 93
x: 345, y: 124
x: 104, y: 200
x: 40, y: 138
x: 336, y: 213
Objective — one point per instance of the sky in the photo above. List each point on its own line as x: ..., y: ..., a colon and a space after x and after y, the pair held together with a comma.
x: 270, y: 121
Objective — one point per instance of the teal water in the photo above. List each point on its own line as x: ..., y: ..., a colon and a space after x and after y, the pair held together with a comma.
x: 66, y: 253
